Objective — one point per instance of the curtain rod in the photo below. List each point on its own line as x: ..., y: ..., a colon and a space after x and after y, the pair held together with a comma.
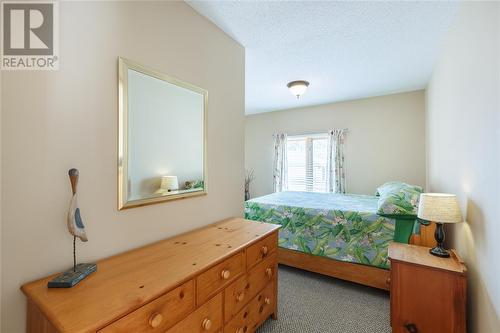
x: 346, y: 130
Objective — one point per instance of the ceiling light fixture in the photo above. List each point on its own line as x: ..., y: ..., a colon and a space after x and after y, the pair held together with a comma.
x: 298, y: 88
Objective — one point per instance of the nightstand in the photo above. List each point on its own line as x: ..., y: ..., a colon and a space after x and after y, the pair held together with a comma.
x: 428, y: 293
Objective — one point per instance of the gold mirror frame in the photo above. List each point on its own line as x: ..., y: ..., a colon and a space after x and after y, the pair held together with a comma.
x: 123, y: 202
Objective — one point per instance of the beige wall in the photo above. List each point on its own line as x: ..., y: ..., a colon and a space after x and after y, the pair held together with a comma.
x: 385, y: 140
x: 1, y: 213
x: 464, y: 149
x: 53, y: 121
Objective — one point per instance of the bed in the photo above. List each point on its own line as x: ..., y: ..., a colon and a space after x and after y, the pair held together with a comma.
x: 340, y: 235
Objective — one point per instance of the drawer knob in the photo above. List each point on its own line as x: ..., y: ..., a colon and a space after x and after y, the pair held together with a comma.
x: 225, y: 274
x: 264, y: 250
x: 388, y: 281
x: 269, y: 272
x: 240, y: 297
x: 155, y: 320
x: 239, y: 330
x: 412, y: 328
x: 206, y: 324
x: 267, y: 300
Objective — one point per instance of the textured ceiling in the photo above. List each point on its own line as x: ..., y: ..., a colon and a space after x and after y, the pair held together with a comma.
x: 346, y: 50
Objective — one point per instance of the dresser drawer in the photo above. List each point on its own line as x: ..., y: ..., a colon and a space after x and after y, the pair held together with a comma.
x: 261, y: 249
x: 158, y: 315
x: 255, y: 312
x: 242, y: 290
x: 263, y: 274
x: 211, y: 281
x: 236, y: 296
x: 206, y: 319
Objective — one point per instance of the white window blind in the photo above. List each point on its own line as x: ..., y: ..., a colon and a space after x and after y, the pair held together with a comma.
x: 307, y: 163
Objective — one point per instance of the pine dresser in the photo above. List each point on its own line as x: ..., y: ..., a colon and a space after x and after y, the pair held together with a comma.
x: 220, y: 278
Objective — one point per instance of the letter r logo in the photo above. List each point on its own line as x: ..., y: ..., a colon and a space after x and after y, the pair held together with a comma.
x: 28, y: 29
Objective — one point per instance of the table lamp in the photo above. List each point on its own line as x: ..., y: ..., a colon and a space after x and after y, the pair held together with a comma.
x: 439, y: 208
x: 168, y: 183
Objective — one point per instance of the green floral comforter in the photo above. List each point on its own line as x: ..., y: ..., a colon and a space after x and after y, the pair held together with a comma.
x: 338, y: 226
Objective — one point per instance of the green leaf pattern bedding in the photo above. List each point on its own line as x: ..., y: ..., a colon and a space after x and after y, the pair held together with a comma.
x: 398, y: 198
x: 339, y: 226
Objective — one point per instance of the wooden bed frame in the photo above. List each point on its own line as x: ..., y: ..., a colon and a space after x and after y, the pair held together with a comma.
x: 362, y: 274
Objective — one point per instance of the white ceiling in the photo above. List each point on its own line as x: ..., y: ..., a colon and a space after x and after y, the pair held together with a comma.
x: 346, y: 50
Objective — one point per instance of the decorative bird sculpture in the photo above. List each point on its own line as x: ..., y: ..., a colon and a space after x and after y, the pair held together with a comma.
x: 75, y: 223
x: 76, y: 228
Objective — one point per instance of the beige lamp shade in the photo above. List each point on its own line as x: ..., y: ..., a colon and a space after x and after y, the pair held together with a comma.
x: 439, y: 207
x: 169, y: 183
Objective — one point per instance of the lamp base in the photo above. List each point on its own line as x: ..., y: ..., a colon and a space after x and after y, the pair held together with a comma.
x: 440, y: 252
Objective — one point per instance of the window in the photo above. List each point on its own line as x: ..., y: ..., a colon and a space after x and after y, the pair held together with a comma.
x: 307, y: 163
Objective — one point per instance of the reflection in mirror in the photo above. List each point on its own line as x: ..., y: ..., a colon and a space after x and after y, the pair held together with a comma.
x: 162, y: 137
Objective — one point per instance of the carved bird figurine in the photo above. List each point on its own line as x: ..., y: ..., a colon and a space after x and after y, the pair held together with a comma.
x: 75, y: 223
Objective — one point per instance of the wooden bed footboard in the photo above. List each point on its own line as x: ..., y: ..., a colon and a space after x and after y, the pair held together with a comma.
x: 362, y: 274
x: 366, y: 275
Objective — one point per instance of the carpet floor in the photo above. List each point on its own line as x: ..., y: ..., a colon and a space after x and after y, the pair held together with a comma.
x: 313, y: 303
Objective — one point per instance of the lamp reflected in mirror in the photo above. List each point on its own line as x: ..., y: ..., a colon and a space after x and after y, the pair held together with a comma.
x: 168, y: 184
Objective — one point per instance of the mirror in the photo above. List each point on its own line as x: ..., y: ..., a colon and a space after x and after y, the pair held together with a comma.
x: 162, y: 137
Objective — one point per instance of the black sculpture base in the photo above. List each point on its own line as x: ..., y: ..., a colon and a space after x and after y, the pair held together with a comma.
x: 71, y: 277
x: 440, y: 252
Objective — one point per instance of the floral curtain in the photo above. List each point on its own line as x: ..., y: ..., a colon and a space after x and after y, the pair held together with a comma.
x: 279, y: 166
x: 335, y: 167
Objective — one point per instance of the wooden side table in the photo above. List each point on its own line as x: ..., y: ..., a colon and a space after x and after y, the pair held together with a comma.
x: 428, y: 293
